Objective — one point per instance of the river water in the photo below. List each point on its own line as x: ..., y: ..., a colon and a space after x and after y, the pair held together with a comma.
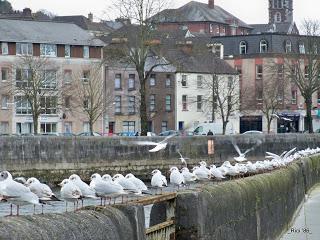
x: 307, y: 224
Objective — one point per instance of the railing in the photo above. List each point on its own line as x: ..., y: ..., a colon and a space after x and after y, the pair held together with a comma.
x: 166, y: 229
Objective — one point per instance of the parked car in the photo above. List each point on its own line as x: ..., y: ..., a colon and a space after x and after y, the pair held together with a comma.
x: 252, y: 132
x: 88, y: 134
x: 169, y: 132
x: 50, y: 134
x: 126, y: 134
x: 214, y: 127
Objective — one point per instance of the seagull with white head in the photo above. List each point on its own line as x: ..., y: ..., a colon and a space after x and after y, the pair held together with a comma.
x: 70, y: 192
x: 176, y: 177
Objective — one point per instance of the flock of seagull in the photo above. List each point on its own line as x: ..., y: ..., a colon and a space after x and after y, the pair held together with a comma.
x: 21, y: 191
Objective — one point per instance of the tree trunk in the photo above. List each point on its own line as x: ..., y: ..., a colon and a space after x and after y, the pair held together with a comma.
x: 224, y: 126
x: 91, y: 127
x: 35, y: 124
x: 309, y: 125
x: 269, y: 125
x: 143, y: 105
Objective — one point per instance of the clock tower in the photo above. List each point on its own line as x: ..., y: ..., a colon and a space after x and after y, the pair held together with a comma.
x: 280, y: 11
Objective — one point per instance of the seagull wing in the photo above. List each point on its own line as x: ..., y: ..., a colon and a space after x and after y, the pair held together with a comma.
x: 272, y: 154
x: 236, y: 148
x: 179, y: 153
x: 145, y: 143
x: 167, y: 138
x: 289, y: 153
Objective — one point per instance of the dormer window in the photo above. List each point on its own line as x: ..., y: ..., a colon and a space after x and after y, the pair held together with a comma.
x: 243, y: 47
x: 263, y: 46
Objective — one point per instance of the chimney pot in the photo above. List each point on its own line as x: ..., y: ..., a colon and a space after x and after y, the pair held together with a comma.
x: 90, y: 17
x: 211, y: 3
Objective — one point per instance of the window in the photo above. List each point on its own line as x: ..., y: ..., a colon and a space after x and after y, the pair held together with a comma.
x: 4, y: 127
x: 259, y: 71
x: 68, y: 127
x: 4, y: 48
x: 211, y: 26
x: 48, y: 127
x: 117, y: 81
x: 263, y: 46
x: 184, y: 81
x: 168, y: 80
x: 85, y: 76
x: 117, y: 103
x: 230, y: 82
x: 85, y: 52
x: 280, y: 71
x: 164, y: 126
x: 4, y: 74
x: 86, y: 127
x: 217, y: 49
x: 168, y: 102
x: 67, y: 76
x: 278, y: 4
x: 4, y: 101
x: 152, y: 80
x: 184, y: 103
x: 86, y: 103
x: 22, y: 105
x: 129, y: 126
x: 288, y: 46
x: 131, y: 105
x: 302, y: 49
x: 199, y: 103
x: 48, y: 105
x: 48, y: 50
x: 67, y: 51
x: 23, y: 128
x: 199, y: 81
x: 277, y: 17
x: 294, y: 97
x: 49, y: 79
x: 239, y: 70
x: 23, y: 78
x: 243, y: 48
x: 131, y: 82
x: 152, y: 103
x: 24, y: 49
x: 67, y: 102
x: 259, y: 93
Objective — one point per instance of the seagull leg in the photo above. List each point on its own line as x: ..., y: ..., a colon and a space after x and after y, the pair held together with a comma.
x: 81, y: 202
x: 101, y: 202
x: 17, y: 210
x: 74, y: 206
x: 11, y: 210
x: 66, y: 206
x: 41, y: 208
x: 34, y: 209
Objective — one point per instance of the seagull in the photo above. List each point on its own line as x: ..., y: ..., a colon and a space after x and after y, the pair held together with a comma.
x: 188, y: 176
x: 158, y: 180
x: 158, y: 145
x: 216, y: 172
x: 182, y: 159
x: 201, y: 173
x: 281, y: 157
x: 176, y: 177
x: 126, y: 183
x: 242, y: 156
x: 70, y: 192
x: 16, y: 193
x: 20, y: 180
x: 139, y: 184
x: 86, y: 190
x: 106, y: 188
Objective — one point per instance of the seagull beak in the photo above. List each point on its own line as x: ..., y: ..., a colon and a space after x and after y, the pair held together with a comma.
x: 60, y: 184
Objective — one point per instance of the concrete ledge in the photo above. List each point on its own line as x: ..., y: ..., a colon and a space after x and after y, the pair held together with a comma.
x: 92, y: 223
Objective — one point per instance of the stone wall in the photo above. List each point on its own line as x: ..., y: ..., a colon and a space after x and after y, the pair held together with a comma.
x: 258, y: 207
x: 54, y: 158
x: 93, y: 223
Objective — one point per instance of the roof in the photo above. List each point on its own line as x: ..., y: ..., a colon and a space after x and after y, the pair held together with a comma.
x: 288, y: 28
x: 202, y: 62
x: 84, y: 23
x: 45, y: 32
x: 197, y: 12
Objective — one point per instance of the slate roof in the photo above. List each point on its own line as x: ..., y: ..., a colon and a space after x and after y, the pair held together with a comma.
x: 84, y: 23
x: 45, y: 32
x: 273, y: 27
x: 197, y: 12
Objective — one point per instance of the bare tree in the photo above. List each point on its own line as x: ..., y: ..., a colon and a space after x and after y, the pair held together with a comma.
x: 223, y: 97
x: 35, y: 88
x: 304, y: 68
x: 137, y: 45
x: 90, y: 96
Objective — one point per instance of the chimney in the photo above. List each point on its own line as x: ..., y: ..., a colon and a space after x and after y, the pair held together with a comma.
x: 26, y: 12
x: 90, y: 17
x: 211, y: 4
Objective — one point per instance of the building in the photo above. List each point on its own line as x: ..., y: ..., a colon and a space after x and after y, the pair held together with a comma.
x: 69, y: 50
x: 201, y: 18
x: 280, y: 19
x: 251, y: 55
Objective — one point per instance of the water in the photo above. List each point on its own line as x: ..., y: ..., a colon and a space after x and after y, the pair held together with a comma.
x: 307, y: 224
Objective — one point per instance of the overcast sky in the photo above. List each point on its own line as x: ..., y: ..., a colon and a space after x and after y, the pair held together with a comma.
x: 250, y: 11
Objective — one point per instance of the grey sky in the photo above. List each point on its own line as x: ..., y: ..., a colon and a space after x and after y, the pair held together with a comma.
x: 250, y: 11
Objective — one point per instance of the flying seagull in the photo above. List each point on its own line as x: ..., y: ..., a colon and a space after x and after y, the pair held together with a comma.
x: 242, y: 156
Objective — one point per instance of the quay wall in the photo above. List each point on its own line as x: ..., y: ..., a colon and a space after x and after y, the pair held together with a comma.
x: 55, y: 158
x: 260, y: 207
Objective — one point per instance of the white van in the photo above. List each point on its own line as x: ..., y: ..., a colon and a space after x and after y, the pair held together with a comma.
x: 215, y: 127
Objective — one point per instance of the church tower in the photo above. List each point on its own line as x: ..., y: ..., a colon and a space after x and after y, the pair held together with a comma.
x: 280, y: 11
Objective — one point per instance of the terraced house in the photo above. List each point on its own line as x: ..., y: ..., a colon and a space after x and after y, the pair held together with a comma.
x: 39, y: 60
